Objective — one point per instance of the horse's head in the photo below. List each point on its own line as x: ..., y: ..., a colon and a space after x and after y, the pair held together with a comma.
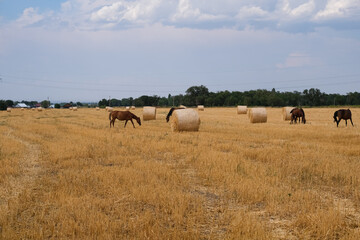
x: 335, y: 115
x: 138, y: 121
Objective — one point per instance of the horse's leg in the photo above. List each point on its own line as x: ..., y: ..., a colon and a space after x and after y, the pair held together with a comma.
x: 132, y: 123
x: 346, y: 122
x: 111, y: 121
x: 125, y: 123
x: 337, y: 123
x: 351, y: 122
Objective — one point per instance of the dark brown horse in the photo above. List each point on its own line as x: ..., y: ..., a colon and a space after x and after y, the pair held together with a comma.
x: 171, y: 112
x: 123, y: 116
x: 342, y: 114
x: 297, y: 113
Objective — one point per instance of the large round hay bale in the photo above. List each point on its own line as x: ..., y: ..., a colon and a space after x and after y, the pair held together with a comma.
x: 109, y: 109
x: 8, y: 109
x: 97, y: 108
x: 286, y: 113
x: 132, y: 107
x: 39, y: 109
x: 182, y: 106
x: 127, y: 108
x: 149, y: 113
x: 258, y: 115
x: 74, y: 108
x: 200, y: 107
x: 241, y: 109
x: 185, y: 120
x: 33, y: 109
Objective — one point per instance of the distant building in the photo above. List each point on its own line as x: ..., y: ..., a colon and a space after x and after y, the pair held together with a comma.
x: 22, y: 105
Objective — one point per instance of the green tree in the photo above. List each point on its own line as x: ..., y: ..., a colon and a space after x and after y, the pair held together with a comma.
x: 45, y: 104
x: 197, y: 95
x: 103, y: 103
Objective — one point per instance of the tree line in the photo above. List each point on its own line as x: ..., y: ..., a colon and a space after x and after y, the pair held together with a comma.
x: 200, y: 95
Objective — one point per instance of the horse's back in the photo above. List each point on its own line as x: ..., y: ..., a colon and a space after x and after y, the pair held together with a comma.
x: 344, y: 114
x: 122, y: 115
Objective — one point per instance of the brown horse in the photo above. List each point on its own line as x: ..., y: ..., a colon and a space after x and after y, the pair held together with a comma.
x: 297, y: 113
x: 123, y: 116
x: 171, y: 111
x: 342, y: 114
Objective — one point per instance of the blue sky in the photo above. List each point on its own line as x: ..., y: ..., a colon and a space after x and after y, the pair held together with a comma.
x: 86, y: 50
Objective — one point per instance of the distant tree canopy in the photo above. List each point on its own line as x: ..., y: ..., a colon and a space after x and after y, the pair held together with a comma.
x: 200, y: 95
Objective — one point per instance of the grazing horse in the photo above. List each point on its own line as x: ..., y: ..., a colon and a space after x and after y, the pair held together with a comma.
x: 342, y: 114
x: 297, y: 113
x: 123, y: 115
x: 171, y: 111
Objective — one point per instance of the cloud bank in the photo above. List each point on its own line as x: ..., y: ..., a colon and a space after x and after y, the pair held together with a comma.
x: 115, y: 14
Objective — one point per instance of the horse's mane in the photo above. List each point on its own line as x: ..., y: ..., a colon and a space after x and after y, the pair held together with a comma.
x: 171, y: 111
x: 133, y: 115
x: 336, y: 114
x: 292, y: 110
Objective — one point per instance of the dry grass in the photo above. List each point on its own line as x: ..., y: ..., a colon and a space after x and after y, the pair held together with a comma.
x: 66, y: 174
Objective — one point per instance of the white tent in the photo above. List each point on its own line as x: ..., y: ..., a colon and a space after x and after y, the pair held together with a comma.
x: 22, y: 105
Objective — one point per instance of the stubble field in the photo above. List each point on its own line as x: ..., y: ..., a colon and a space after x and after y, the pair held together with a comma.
x: 66, y: 174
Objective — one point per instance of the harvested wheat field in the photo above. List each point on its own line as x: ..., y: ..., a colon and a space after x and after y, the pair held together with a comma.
x: 66, y: 174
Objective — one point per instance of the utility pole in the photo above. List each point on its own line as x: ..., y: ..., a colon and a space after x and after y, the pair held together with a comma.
x: 109, y: 101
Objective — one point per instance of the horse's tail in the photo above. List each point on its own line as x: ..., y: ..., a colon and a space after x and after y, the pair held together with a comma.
x: 302, y: 112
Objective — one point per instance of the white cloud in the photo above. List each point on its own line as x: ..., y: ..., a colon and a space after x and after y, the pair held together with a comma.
x: 186, y: 12
x: 251, y: 11
x: 338, y: 9
x: 301, y: 10
x: 29, y: 17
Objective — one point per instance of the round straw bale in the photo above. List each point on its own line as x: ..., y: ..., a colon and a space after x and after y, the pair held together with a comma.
x: 182, y: 106
x: 286, y: 113
x: 97, y: 108
x: 39, y: 109
x: 22, y: 109
x: 74, y: 109
x: 185, y: 120
x: 70, y: 108
x: 109, y: 109
x: 8, y: 109
x: 33, y: 109
x: 149, y: 113
x: 127, y: 108
x: 258, y: 115
x: 241, y: 109
x: 132, y: 107
x: 201, y: 107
